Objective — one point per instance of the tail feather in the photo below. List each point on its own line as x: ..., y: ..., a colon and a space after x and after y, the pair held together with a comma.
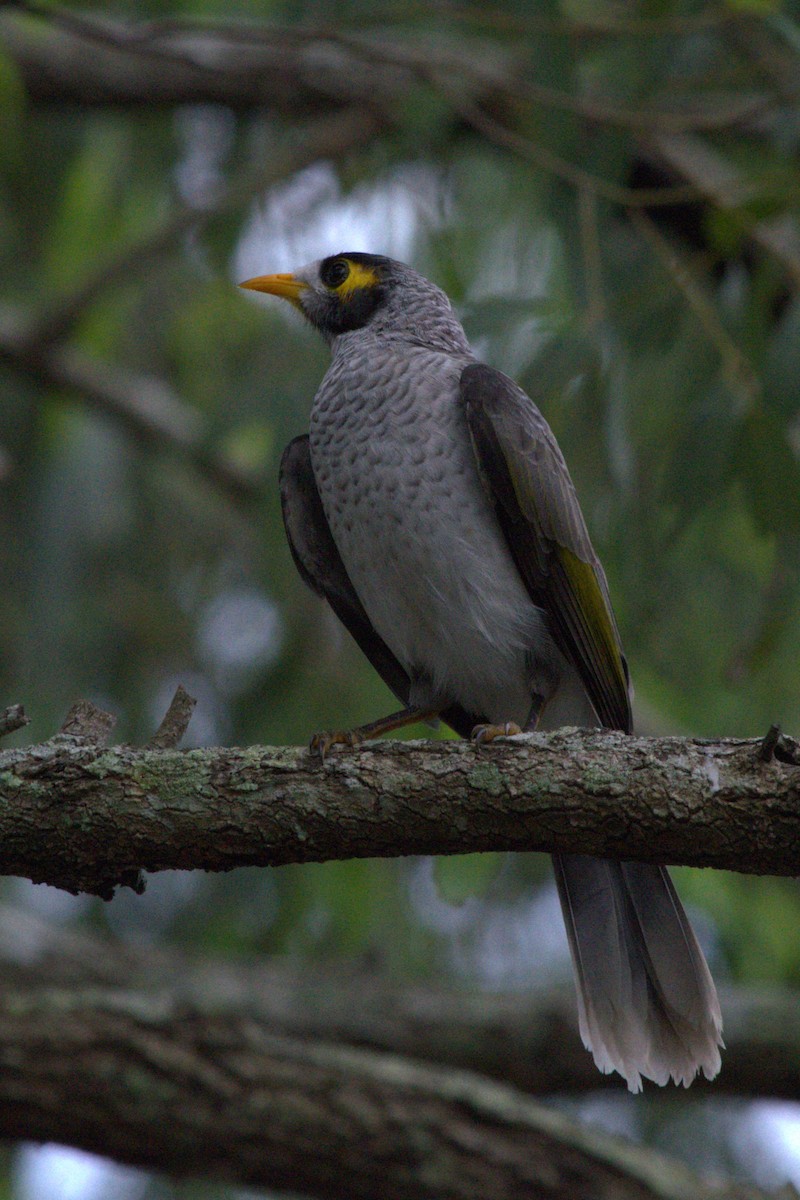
x: 646, y: 1001
x: 676, y: 965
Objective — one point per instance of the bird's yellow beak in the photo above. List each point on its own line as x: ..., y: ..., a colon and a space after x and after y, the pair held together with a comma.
x: 287, y: 286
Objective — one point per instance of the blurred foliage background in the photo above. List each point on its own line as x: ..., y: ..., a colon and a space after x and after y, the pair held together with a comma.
x: 610, y: 197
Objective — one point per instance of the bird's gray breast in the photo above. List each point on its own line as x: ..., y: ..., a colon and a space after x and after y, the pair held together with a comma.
x: 416, y: 531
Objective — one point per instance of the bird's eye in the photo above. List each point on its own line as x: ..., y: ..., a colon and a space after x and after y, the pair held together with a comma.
x: 334, y: 271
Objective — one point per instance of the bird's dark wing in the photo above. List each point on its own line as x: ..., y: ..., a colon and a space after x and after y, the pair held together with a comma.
x: 527, y: 479
x: 320, y: 565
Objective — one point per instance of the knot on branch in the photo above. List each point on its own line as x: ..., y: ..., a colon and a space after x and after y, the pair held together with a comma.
x: 87, y: 727
x: 777, y: 745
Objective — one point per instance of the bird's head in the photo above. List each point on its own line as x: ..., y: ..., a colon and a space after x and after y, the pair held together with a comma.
x: 352, y: 291
x: 337, y: 294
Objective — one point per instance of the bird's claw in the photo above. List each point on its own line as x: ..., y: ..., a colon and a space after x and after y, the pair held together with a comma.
x: 483, y: 734
x: 321, y: 743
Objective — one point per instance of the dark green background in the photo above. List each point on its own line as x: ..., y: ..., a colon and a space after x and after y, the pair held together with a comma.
x: 663, y: 345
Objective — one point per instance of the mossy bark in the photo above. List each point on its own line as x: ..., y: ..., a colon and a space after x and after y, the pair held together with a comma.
x: 83, y: 817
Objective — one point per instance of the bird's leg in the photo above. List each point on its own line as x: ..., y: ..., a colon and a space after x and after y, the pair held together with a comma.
x: 534, y: 716
x: 482, y: 734
x: 322, y: 742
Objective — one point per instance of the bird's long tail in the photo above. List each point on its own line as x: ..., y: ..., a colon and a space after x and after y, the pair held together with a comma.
x: 646, y: 1000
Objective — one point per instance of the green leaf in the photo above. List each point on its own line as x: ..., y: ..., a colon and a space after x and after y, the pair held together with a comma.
x: 700, y: 463
x: 756, y: 7
x: 782, y: 24
x: 765, y: 463
x: 86, y: 217
x: 12, y: 106
x: 462, y: 877
x: 250, y: 445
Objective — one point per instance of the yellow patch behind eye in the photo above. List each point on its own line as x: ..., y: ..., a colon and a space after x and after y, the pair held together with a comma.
x: 360, y: 277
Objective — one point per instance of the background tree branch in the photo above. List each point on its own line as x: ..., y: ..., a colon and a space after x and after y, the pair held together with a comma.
x: 151, y: 1082
x: 332, y: 136
x: 66, y: 56
x: 526, y: 1039
x: 142, y: 404
x: 85, y: 817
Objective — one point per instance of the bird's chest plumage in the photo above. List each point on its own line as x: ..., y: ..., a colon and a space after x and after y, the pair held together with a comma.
x: 418, y: 536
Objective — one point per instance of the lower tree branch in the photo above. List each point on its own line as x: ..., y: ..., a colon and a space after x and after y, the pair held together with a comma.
x: 529, y: 1040
x: 151, y: 1083
x: 84, y: 817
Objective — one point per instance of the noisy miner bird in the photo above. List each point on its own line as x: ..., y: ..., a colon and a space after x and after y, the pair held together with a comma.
x: 431, y: 506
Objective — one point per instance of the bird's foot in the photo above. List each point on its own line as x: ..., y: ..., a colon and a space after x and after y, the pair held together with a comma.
x: 482, y: 734
x: 321, y: 743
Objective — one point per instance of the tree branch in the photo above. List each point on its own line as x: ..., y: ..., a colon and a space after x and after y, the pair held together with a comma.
x: 83, y: 817
x: 149, y: 1082
x: 528, y: 1040
x: 65, y: 57
x: 143, y: 404
x: 723, y: 184
x: 176, y: 721
x: 12, y: 719
x: 68, y: 56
